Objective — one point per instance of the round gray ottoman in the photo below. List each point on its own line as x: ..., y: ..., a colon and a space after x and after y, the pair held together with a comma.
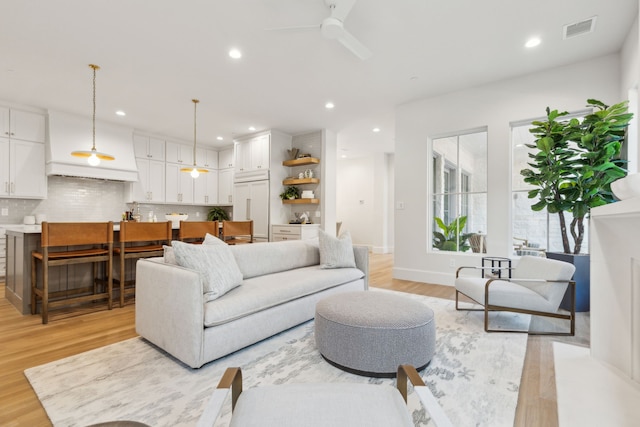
x: 372, y: 333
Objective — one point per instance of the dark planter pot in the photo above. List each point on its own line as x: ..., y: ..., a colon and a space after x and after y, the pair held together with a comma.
x: 581, y: 277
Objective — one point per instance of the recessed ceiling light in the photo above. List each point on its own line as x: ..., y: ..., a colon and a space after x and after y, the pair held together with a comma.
x: 376, y: 129
x: 219, y: 138
x: 120, y: 113
x: 251, y: 128
x: 532, y: 42
x: 329, y: 105
x: 235, y: 53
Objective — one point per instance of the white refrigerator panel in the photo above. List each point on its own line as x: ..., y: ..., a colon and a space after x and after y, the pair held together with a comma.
x: 251, y: 202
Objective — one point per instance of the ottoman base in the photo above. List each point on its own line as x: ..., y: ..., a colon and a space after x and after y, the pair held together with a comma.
x: 367, y: 373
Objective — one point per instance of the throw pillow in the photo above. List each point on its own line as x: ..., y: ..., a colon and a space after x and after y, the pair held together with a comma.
x: 218, y: 269
x: 210, y: 239
x: 336, y: 252
x: 169, y: 256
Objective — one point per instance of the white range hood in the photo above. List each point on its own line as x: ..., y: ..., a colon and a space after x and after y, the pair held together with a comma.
x: 68, y: 132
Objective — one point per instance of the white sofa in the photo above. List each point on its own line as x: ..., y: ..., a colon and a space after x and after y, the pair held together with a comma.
x: 282, y: 281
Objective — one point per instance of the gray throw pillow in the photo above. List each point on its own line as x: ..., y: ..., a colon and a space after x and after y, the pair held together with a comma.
x: 210, y: 239
x: 336, y: 252
x: 168, y: 256
x: 218, y: 269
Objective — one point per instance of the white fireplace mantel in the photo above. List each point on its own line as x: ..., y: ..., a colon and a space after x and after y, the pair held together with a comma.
x: 615, y: 286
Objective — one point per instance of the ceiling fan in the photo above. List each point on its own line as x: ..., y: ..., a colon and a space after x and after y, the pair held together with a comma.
x: 332, y: 27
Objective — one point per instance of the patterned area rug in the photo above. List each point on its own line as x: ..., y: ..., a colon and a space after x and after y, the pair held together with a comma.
x: 474, y: 375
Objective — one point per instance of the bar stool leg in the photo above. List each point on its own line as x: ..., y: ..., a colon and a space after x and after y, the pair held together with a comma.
x: 123, y: 264
x: 34, y: 285
x: 110, y: 279
x: 45, y: 289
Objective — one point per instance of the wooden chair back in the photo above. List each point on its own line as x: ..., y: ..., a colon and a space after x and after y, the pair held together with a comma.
x: 145, y: 232
x: 194, y: 231
x: 236, y: 232
x: 76, y: 233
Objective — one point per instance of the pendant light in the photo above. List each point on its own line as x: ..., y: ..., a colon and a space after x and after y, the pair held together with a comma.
x: 93, y: 156
x: 194, y: 171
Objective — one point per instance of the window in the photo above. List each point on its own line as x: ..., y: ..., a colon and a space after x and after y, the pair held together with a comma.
x: 532, y: 230
x: 459, y: 189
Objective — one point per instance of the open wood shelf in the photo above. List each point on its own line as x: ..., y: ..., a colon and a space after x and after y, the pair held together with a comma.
x: 301, y: 201
x: 303, y: 161
x: 297, y: 181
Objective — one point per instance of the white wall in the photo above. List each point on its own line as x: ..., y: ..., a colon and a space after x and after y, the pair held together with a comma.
x: 365, y: 200
x: 630, y: 72
x: 493, y: 106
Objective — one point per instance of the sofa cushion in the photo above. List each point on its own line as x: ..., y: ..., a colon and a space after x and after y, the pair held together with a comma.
x: 215, y: 264
x: 258, y: 259
x: 336, y: 252
x: 168, y: 255
x: 262, y: 292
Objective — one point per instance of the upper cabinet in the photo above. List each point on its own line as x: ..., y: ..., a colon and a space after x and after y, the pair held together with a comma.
x: 252, y: 154
x: 179, y: 153
x: 225, y: 158
x: 207, y: 158
x: 22, y: 125
x: 146, y: 147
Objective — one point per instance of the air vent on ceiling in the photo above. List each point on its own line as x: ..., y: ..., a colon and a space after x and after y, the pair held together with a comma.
x: 579, y: 28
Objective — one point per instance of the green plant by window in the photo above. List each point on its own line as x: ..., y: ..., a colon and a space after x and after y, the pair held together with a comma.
x: 451, y: 238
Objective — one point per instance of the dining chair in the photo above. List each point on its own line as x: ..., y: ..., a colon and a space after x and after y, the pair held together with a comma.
x: 139, y: 240
x: 195, y: 231
x: 68, y: 243
x: 237, y: 232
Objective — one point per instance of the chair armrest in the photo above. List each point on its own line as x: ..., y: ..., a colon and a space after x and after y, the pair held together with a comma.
x: 430, y: 403
x: 231, y: 381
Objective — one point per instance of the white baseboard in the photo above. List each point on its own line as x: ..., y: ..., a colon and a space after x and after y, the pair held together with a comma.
x: 434, y: 277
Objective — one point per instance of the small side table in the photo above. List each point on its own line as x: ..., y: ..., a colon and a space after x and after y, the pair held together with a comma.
x: 496, y: 262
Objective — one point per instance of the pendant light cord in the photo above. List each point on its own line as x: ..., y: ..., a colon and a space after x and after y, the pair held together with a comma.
x: 95, y: 67
x: 195, y: 106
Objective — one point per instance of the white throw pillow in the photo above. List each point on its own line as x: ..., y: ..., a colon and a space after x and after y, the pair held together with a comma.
x: 168, y: 256
x: 210, y: 239
x: 218, y: 269
x: 336, y: 252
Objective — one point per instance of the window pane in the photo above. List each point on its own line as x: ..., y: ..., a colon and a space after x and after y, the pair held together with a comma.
x: 473, y: 160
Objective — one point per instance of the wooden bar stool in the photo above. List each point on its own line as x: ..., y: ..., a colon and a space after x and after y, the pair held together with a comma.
x: 194, y: 231
x: 139, y: 240
x: 94, y: 242
x: 236, y: 232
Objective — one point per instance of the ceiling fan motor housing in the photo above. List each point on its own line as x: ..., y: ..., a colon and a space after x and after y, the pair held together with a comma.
x: 332, y: 28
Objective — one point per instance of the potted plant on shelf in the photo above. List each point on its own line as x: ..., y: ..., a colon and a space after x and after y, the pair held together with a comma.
x: 573, y: 168
x: 451, y: 238
x: 217, y: 213
x: 290, y: 193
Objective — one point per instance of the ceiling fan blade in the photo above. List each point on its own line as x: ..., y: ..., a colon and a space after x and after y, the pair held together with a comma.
x: 354, y: 45
x: 294, y: 28
x: 340, y: 8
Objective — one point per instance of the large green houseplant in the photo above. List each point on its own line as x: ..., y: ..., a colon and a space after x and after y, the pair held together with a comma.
x: 575, y: 164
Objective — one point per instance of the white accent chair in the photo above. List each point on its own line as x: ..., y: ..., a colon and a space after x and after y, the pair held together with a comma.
x: 327, y: 404
x: 537, y: 286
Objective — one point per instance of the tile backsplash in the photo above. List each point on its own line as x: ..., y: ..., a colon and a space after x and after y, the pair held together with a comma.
x: 83, y: 199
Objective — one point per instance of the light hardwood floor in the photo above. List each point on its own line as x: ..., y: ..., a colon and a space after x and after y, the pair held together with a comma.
x: 25, y: 342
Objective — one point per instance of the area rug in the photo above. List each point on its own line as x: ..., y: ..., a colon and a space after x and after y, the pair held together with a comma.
x: 474, y: 375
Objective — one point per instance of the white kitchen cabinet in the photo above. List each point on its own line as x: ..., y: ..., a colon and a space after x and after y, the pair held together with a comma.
x: 252, y: 154
x: 179, y: 185
x: 207, y: 158
x: 252, y: 203
x: 22, y: 125
x: 225, y: 158
x: 205, y: 188
x: 179, y: 153
x: 22, y: 169
x: 280, y: 232
x: 151, y: 181
x: 146, y: 147
x: 225, y: 186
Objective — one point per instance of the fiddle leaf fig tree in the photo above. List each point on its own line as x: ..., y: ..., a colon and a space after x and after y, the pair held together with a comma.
x: 575, y: 164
